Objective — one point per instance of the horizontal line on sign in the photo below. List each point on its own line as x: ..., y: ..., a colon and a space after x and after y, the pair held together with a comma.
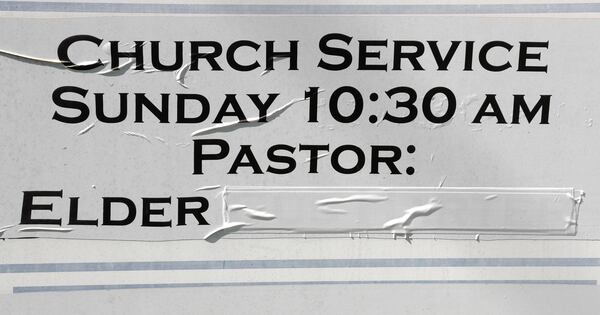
x: 95, y: 287
x: 387, y: 9
x: 300, y: 263
x: 392, y: 189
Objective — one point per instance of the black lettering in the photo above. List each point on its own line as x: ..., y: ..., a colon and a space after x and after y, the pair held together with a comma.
x: 148, y: 211
x: 29, y: 206
x: 183, y: 209
x: 107, y: 203
x: 333, y: 51
x: 490, y: 101
x: 200, y: 155
x: 63, y: 54
x: 84, y: 111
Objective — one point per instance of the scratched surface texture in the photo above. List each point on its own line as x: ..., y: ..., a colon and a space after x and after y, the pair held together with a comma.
x: 495, y: 218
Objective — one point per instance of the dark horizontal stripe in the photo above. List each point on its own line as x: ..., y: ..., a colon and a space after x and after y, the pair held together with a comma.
x: 105, y: 7
x: 300, y: 263
x: 67, y: 288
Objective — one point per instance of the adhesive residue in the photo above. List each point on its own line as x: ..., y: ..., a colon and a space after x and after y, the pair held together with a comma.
x: 180, y: 75
x: 465, y: 103
x: 275, y: 59
x: 5, y: 228
x: 135, y: 134
x: 106, y: 48
x: 411, y: 214
x: 330, y: 210
x: 121, y: 69
x: 86, y: 129
x: 578, y: 199
x: 41, y: 61
x: 442, y: 181
x: 408, y: 238
x: 438, y: 105
x: 45, y: 229
x: 250, y: 122
x: 208, y: 187
x: 161, y: 140
x: 354, y: 198
x: 147, y: 69
x: 258, y: 215
x: 236, y: 207
x: 134, y: 44
x: 318, y: 157
x: 226, y: 228
x: 438, y: 109
x: 380, y: 120
x: 570, y: 222
x: 431, y: 126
